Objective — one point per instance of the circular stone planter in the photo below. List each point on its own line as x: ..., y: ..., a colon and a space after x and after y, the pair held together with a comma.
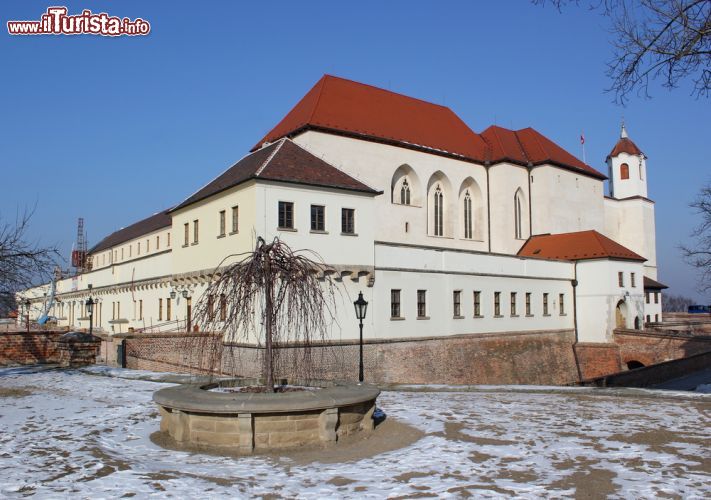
x: 242, y: 421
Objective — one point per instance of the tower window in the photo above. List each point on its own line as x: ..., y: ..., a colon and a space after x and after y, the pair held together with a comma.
x: 438, y: 212
x: 467, y: 215
x: 624, y: 171
x: 405, y: 193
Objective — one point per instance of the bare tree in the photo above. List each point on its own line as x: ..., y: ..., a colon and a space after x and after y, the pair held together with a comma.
x: 699, y: 255
x: 676, y: 303
x: 23, y: 263
x: 668, y: 40
x: 274, y: 294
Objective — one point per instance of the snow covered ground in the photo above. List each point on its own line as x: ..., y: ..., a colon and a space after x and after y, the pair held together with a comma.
x: 79, y: 435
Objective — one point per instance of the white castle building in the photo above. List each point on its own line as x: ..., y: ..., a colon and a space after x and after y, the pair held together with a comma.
x: 445, y: 231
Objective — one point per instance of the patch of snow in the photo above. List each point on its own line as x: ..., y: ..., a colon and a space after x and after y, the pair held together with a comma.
x: 81, y: 435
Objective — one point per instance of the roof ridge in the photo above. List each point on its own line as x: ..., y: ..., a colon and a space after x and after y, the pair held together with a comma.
x: 390, y: 91
x: 258, y: 172
x: 318, y: 99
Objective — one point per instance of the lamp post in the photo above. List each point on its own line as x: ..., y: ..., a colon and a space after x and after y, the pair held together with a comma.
x: 27, y: 312
x: 361, y: 307
x: 90, y: 310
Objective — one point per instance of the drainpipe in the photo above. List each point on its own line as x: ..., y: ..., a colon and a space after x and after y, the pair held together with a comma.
x: 488, y: 205
x: 575, y: 319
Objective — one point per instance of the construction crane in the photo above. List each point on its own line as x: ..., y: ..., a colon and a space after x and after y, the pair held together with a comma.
x: 79, y: 252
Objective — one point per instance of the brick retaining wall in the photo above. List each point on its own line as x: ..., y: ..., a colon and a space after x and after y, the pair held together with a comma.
x: 652, y: 347
x: 502, y: 358
x: 22, y: 348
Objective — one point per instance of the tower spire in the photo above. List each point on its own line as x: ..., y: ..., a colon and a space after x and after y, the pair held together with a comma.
x: 623, y: 131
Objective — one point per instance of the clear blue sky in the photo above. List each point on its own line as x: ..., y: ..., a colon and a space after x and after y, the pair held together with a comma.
x: 115, y: 129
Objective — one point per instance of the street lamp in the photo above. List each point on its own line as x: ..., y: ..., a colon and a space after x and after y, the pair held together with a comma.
x: 361, y: 307
x: 27, y: 312
x: 90, y: 310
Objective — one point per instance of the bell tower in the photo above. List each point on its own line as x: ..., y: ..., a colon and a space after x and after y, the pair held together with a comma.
x: 627, y: 169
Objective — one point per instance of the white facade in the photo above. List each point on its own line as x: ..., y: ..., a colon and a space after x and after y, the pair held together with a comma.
x: 442, y: 231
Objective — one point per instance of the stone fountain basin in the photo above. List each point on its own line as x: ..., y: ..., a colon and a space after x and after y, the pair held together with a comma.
x: 241, y: 421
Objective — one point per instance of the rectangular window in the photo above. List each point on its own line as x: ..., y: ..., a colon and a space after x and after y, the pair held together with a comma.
x: 130, y: 250
x: 223, y: 308
x: 157, y: 242
x: 646, y: 297
x: 528, y: 303
x: 561, y: 304
x: 421, y: 303
x: 656, y: 318
x: 118, y: 310
x: 545, y: 304
x: 348, y: 221
x: 235, y: 219
x: 121, y: 253
x: 497, y: 303
x: 648, y: 318
x: 513, y: 303
x: 621, y: 278
x: 318, y: 222
x: 196, y: 228
x: 210, y: 307
x: 656, y: 297
x: 167, y: 236
x: 222, y: 223
x: 138, y: 248
x: 113, y: 310
x: 457, y: 303
x: 632, y: 280
x: 286, y: 215
x: 148, y: 246
x: 394, y: 303
x: 186, y: 227
x: 167, y: 309
x: 160, y: 309
x: 140, y: 309
x: 477, y: 304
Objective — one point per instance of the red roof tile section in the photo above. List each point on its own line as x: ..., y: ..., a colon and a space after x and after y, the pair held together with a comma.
x: 336, y: 104
x: 282, y: 161
x: 581, y: 245
x: 347, y: 107
x: 530, y: 146
x: 625, y: 145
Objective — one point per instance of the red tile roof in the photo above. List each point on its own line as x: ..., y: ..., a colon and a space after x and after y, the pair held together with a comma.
x: 528, y: 146
x: 580, y: 245
x: 282, y: 161
x: 145, y: 226
x: 340, y: 105
x: 625, y: 145
x: 343, y: 106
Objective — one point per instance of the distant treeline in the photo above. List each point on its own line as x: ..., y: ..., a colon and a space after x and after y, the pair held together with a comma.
x: 676, y: 303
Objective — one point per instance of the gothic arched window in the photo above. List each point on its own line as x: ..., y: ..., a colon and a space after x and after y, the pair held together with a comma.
x: 518, y: 228
x: 467, y: 215
x: 405, y: 193
x: 438, y: 212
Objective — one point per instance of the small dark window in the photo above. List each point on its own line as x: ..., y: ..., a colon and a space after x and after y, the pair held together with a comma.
x: 545, y: 304
x: 421, y: 303
x: 528, y: 303
x: 561, y: 304
x: 632, y: 280
x: 405, y: 193
x: 477, y: 304
x: 318, y: 221
x: 394, y: 303
x: 186, y: 226
x: 195, y: 233
x: 646, y: 297
x: 621, y: 278
x: 222, y: 223
x: 286, y: 215
x: 348, y: 221
x: 656, y: 297
x: 497, y: 303
x: 235, y: 219
x: 457, y: 303
x: 513, y: 303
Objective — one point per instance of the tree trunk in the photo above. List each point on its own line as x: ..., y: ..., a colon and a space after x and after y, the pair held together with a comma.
x: 268, y: 313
